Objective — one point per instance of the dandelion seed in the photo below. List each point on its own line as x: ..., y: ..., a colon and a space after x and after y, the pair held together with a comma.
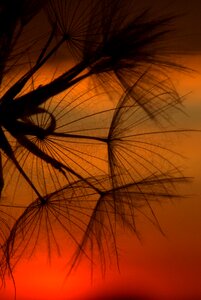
x: 92, y: 155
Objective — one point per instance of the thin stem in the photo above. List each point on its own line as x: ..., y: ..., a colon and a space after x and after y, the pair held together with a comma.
x: 18, y: 86
x: 79, y: 136
x: 27, y: 104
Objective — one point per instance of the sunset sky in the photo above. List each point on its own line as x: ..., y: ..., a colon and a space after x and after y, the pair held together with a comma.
x: 156, y: 267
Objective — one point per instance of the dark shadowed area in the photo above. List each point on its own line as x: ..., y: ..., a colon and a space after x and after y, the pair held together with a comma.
x: 188, y: 21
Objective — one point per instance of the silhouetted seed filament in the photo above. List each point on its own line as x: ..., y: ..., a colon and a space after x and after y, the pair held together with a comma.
x: 1, y: 175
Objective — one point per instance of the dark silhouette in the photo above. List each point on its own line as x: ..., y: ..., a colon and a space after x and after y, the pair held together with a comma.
x: 89, y: 141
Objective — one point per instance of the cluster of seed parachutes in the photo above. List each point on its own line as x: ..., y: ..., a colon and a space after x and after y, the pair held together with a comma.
x: 88, y: 145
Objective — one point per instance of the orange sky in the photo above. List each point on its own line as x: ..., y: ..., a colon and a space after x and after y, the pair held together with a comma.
x: 158, y: 267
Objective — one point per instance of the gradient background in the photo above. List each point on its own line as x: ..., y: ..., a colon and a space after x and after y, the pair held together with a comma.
x: 157, y: 267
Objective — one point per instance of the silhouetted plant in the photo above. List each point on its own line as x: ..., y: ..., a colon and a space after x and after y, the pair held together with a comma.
x: 93, y: 153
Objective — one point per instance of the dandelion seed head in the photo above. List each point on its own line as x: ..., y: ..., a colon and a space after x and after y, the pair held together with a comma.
x: 92, y: 155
